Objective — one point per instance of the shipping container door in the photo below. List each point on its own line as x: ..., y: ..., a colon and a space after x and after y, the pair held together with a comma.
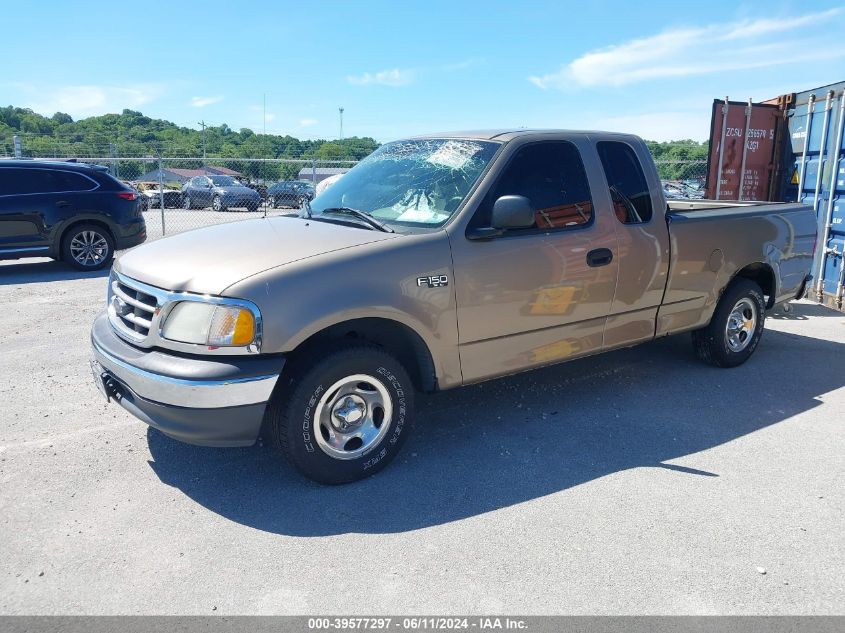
x: 824, y: 187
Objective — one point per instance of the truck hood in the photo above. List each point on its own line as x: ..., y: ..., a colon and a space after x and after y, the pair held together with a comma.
x: 211, y: 259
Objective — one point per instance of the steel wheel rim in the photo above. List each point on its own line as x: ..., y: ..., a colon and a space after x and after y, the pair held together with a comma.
x: 352, y: 417
x: 741, y: 325
x: 89, y: 248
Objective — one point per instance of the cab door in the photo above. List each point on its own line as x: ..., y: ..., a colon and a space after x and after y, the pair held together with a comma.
x: 643, y: 237
x: 537, y: 295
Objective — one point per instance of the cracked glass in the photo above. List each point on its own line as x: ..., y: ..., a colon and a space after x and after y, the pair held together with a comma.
x: 411, y: 183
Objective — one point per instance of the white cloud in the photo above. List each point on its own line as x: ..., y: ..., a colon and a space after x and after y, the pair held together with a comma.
x: 89, y: 100
x: 201, y: 102
x: 393, y: 77
x: 307, y: 122
x: 694, y: 51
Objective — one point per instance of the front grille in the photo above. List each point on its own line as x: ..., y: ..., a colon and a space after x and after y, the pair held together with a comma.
x: 132, y: 308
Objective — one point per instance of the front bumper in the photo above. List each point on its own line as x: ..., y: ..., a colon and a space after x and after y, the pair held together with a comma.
x: 212, y: 401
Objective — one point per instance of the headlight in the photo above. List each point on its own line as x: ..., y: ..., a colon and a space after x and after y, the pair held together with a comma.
x: 210, y: 324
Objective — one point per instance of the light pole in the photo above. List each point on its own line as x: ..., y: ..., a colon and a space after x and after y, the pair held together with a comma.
x: 204, y: 162
x: 340, y: 110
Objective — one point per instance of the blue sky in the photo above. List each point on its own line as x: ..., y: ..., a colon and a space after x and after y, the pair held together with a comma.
x: 415, y: 67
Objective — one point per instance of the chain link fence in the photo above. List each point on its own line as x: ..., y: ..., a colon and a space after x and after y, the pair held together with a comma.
x: 176, y: 196
x: 684, y: 179
x: 179, y: 194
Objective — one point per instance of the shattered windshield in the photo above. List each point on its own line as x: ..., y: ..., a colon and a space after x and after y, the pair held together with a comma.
x: 415, y: 183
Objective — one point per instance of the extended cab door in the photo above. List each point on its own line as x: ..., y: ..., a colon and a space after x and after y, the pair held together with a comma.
x: 643, y: 239
x: 537, y: 295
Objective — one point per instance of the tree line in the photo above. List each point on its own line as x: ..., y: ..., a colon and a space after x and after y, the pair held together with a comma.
x: 132, y: 134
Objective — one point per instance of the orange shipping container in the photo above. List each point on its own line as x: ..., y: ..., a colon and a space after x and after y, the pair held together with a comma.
x: 743, y: 137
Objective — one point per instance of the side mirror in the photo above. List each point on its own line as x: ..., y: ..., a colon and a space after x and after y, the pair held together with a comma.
x: 512, y: 212
x: 509, y: 212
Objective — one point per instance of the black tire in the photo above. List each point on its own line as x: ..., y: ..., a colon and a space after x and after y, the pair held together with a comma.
x: 715, y: 344
x: 186, y: 202
x: 217, y: 204
x: 87, y: 247
x: 305, y: 394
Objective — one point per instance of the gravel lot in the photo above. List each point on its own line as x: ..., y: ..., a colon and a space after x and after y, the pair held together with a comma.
x: 636, y: 482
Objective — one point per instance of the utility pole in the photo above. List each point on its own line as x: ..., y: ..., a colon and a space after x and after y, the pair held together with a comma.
x: 204, y: 162
x: 340, y: 109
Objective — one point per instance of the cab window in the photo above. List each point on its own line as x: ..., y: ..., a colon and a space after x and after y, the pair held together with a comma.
x: 551, y: 175
x: 626, y: 180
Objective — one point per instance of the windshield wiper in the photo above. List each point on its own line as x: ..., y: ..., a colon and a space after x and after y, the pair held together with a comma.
x: 361, y: 215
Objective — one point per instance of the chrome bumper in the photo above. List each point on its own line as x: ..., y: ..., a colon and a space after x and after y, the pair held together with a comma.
x: 181, y: 392
x: 214, y: 401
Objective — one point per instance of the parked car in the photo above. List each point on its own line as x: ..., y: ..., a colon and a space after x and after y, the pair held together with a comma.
x: 434, y: 263
x: 259, y: 187
x: 73, y: 212
x: 289, y: 193
x: 151, y: 196
x: 218, y: 192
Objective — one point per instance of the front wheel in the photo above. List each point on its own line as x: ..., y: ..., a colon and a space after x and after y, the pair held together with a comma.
x: 271, y: 202
x: 186, y: 202
x: 736, y: 327
x: 88, y: 247
x: 343, y: 416
x: 217, y: 204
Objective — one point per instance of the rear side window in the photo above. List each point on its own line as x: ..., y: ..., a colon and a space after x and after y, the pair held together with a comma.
x: 628, y: 188
x: 23, y: 181
x: 551, y: 175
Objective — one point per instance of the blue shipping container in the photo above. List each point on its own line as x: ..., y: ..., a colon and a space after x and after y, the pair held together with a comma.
x: 815, y: 122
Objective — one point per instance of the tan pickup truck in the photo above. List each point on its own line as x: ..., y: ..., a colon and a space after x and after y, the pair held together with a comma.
x: 434, y: 263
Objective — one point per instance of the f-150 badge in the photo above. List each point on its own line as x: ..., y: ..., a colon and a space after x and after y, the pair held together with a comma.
x: 433, y: 281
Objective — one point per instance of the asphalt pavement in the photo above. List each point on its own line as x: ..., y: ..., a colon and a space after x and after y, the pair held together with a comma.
x: 635, y: 482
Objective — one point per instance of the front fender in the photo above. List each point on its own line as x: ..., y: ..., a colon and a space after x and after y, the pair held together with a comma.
x: 377, y: 280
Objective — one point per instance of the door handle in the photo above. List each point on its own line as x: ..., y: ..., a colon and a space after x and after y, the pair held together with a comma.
x: 599, y: 257
x: 63, y: 203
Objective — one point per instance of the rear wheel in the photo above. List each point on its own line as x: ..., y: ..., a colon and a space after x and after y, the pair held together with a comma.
x: 736, y: 327
x: 271, y: 202
x: 88, y: 247
x: 344, y: 415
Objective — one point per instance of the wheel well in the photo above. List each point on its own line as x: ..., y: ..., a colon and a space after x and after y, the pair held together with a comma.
x: 398, y: 339
x: 74, y: 223
x: 763, y: 276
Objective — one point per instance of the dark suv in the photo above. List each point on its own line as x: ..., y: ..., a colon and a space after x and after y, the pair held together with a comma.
x: 289, y: 193
x: 74, y: 212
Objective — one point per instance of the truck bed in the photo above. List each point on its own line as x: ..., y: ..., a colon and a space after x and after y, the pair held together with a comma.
x: 711, y: 240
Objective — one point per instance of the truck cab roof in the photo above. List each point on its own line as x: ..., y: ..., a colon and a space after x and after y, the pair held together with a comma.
x: 509, y: 134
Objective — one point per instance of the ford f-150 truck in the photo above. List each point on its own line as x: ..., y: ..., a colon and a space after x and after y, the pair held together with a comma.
x: 436, y: 262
